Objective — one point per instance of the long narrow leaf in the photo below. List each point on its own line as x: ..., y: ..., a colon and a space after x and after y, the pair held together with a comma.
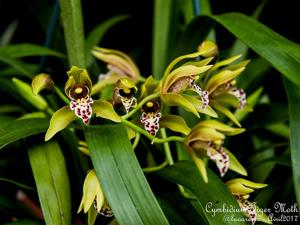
x: 121, y: 177
x: 19, y: 129
x: 211, y: 196
x: 51, y: 178
x: 294, y: 116
x: 26, y: 49
x: 283, y: 54
x: 71, y: 15
x: 162, y: 19
x: 15, y: 63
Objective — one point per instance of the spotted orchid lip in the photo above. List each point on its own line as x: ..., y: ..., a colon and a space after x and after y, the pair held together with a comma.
x: 82, y: 108
x: 240, y: 95
x: 151, y: 122
x: 151, y: 116
x: 248, y: 207
x: 219, y: 156
x: 203, y: 94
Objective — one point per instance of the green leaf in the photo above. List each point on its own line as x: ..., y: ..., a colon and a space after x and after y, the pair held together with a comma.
x: 96, y: 35
x: 175, y: 123
x: 19, y: 129
x: 161, y: 23
x: 59, y: 121
x: 26, y: 49
x: 51, y: 178
x: 179, y: 214
x: 71, y: 15
x: 16, y: 183
x: 211, y: 195
x: 15, y: 63
x: 105, y: 110
x: 294, y: 112
x: 15, y: 72
x: 239, y: 47
x: 283, y: 54
x: 121, y: 177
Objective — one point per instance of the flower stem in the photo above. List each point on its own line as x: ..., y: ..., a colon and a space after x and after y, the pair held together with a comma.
x: 141, y: 103
x: 155, y: 168
x: 149, y: 136
x: 136, y: 140
x: 61, y: 95
x: 167, y: 147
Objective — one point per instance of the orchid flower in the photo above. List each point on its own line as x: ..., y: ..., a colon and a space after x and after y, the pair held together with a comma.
x: 93, y: 195
x: 240, y: 189
x: 205, y: 141
x: 81, y: 105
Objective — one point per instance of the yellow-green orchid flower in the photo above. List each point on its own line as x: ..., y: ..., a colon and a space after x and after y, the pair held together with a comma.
x: 78, y: 89
x: 93, y: 195
x: 240, y: 189
x: 205, y: 140
x: 119, y: 65
x: 124, y: 93
x: 221, y: 86
x: 151, y: 110
x: 183, y: 78
x: 151, y: 116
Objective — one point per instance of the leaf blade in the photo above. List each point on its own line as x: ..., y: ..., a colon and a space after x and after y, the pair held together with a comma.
x: 124, y: 184
x: 71, y: 14
x: 162, y: 20
x: 214, y: 191
x: 27, y: 49
x: 19, y: 129
x: 279, y: 51
x: 50, y: 174
x: 294, y: 112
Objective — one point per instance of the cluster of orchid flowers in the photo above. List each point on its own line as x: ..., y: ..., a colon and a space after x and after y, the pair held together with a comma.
x: 190, y: 81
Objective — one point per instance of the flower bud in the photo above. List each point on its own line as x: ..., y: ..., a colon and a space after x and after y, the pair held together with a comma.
x: 41, y: 82
x: 208, y: 49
